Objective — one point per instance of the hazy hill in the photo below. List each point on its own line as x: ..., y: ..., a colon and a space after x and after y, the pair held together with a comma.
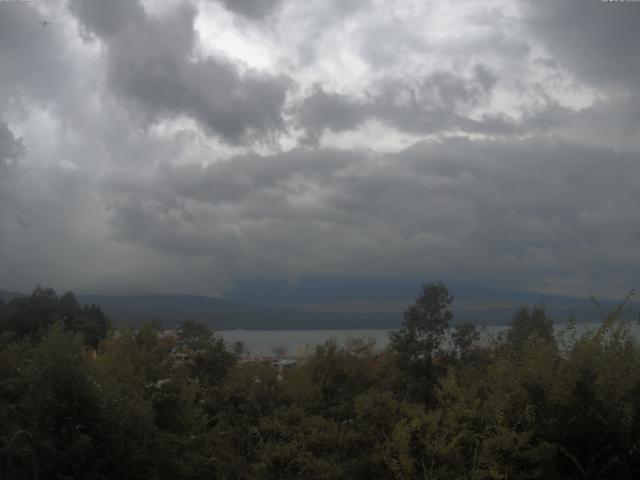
x: 223, y: 314
x: 480, y: 304
x: 339, y: 304
x: 7, y: 296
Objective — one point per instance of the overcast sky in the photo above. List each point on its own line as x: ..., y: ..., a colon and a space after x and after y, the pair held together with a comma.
x: 184, y: 146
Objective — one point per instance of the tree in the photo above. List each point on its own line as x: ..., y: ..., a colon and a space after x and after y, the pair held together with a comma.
x: 32, y: 316
x: 527, y: 323
x: 56, y: 403
x: 420, y: 337
x: 465, y: 338
x: 425, y: 323
x: 210, y: 360
x: 194, y: 334
x: 339, y: 377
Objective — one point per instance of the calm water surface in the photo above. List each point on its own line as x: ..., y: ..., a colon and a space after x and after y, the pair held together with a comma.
x: 300, y: 342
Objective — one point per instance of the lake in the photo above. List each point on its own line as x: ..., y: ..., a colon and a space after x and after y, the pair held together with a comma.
x: 299, y: 342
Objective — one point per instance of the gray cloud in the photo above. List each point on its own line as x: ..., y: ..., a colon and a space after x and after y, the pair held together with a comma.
x: 545, y: 197
x: 529, y: 211
x: 441, y: 101
x: 34, y: 65
x: 324, y: 21
x: 251, y: 8
x: 598, y: 40
x: 150, y: 65
x: 105, y: 19
x: 613, y: 122
x: 233, y: 180
x: 11, y: 148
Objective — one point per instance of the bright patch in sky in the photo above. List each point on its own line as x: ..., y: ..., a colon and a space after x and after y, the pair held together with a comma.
x: 220, y: 34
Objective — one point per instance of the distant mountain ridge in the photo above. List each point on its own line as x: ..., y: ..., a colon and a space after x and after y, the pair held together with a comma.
x: 476, y: 303
x: 222, y: 314
x: 314, y: 306
x: 7, y: 295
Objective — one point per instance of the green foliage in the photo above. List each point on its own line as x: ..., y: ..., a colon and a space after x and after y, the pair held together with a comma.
x: 527, y: 323
x: 209, y: 358
x: 465, y: 340
x: 31, y: 317
x: 45, y: 391
x: 420, y: 339
x: 338, y: 377
x: 425, y: 323
x: 529, y: 405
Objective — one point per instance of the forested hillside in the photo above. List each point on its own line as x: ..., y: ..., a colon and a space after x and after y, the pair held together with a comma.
x: 526, y: 405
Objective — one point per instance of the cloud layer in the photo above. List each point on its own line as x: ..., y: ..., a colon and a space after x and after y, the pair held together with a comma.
x: 164, y: 146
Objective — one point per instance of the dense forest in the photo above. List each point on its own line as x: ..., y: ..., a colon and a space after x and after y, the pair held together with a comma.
x: 80, y: 401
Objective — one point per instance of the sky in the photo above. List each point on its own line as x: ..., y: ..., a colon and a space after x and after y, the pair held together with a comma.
x: 165, y: 146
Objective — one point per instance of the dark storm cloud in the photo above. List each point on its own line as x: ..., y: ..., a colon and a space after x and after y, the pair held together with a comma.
x: 151, y: 68
x: 596, y: 39
x: 527, y: 210
x: 441, y: 101
x: 252, y: 8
